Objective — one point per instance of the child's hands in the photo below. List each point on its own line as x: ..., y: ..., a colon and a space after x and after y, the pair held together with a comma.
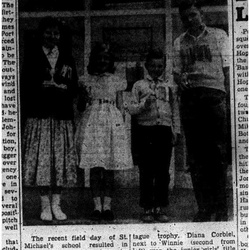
x: 49, y: 84
x: 61, y: 86
x: 52, y: 84
x: 149, y: 101
x: 184, y: 81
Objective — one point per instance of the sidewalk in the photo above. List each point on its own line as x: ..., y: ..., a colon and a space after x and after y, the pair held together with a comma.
x: 77, y: 204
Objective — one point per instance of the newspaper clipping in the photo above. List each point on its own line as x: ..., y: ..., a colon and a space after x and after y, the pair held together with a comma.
x: 125, y: 124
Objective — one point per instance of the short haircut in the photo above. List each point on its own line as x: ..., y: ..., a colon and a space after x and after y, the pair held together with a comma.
x: 187, y: 4
x: 98, y: 49
x: 155, y: 54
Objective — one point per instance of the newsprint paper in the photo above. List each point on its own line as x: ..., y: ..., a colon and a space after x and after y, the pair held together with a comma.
x: 134, y: 25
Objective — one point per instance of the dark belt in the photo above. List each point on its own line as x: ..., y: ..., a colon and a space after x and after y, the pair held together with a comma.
x: 101, y: 101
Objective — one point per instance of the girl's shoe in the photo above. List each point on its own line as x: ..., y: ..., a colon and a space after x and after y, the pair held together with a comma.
x: 147, y: 216
x: 56, y: 207
x: 160, y: 215
x: 46, y: 214
x: 96, y: 215
x: 108, y: 215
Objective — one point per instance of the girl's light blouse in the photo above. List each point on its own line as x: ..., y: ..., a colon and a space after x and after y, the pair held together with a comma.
x: 103, y: 86
x: 52, y: 55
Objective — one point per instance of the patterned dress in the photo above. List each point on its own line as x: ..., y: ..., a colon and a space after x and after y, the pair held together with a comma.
x: 49, y: 156
x: 101, y: 137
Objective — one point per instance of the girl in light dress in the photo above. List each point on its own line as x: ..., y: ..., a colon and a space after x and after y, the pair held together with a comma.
x: 48, y: 86
x: 101, y: 138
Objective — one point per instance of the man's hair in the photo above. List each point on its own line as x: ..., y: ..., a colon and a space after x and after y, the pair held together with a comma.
x: 187, y: 4
x: 155, y: 54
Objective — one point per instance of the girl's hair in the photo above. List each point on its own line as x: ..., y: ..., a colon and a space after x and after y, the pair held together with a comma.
x: 187, y: 4
x: 48, y: 22
x: 65, y: 42
x: 155, y: 54
x: 95, y: 52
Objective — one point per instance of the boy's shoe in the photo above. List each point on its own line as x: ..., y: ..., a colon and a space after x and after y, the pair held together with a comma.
x: 108, y: 215
x: 202, y: 216
x: 160, y: 215
x: 96, y: 215
x: 147, y: 217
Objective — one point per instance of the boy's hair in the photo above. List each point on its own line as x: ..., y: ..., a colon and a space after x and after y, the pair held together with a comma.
x: 187, y: 4
x: 98, y: 49
x: 155, y: 54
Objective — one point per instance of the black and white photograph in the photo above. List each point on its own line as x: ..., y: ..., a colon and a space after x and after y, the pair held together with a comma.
x: 125, y: 124
x: 125, y: 114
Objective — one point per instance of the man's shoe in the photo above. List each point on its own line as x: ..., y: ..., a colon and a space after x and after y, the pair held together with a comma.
x: 147, y: 217
x: 221, y: 216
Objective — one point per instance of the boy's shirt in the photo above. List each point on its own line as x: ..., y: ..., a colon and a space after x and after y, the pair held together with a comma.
x: 163, y: 112
x: 203, y: 58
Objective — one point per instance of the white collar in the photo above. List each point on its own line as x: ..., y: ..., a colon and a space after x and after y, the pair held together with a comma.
x: 160, y: 78
x: 200, y: 35
x: 48, y: 51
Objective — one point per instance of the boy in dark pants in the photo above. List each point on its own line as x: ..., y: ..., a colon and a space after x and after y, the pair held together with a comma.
x: 201, y: 69
x: 156, y: 110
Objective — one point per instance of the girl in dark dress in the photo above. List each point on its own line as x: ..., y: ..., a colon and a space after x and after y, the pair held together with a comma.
x: 48, y: 86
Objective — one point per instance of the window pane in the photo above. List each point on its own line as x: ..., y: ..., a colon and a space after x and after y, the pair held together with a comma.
x: 126, y: 4
x: 175, y: 3
x: 50, y: 5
